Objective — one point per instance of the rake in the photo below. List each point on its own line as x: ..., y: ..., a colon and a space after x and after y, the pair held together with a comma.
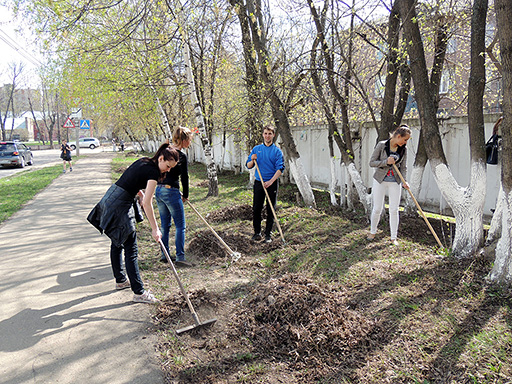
x: 270, y: 202
x: 197, y: 323
x: 234, y: 255
x: 419, y: 208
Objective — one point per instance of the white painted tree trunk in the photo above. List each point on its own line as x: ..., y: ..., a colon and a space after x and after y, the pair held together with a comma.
x: 415, y: 181
x: 502, y: 269
x: 351, y: 203
x: 496, y: 222
x: 252, y: 177
x: 301, y: 179
x: 332, y: 186
x: 357, y: 181
x: 467, y: 204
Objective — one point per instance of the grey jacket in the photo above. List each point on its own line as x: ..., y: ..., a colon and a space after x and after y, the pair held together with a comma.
x: 379, y: 161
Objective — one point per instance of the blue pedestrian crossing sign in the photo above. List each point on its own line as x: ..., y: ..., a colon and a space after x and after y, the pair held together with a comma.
x: 85, y: 124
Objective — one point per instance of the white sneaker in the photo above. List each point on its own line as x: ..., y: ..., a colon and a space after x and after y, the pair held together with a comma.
x: 145, y: 297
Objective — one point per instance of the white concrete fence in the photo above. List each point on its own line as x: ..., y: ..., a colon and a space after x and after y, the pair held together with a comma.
x: 313, y: 148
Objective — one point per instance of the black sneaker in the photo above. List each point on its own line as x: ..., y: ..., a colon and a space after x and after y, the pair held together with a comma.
x: 256, y: 237
x: 268, y: 239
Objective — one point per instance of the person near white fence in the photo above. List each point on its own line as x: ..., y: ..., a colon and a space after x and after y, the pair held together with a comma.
x: 385, y: 154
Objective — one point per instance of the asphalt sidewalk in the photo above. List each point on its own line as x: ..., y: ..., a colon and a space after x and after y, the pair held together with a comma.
x: 61, y: 320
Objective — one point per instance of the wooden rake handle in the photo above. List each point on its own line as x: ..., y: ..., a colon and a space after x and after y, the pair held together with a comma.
x: 269, y: 201
x: 178, y: 280
x: 211, y: 229
x: 419, y: 208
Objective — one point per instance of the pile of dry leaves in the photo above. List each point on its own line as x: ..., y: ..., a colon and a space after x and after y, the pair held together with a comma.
x: 294, y: 317
x: 205, y: 245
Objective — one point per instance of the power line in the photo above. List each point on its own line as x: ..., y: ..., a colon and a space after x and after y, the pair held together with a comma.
x: 18, y: 48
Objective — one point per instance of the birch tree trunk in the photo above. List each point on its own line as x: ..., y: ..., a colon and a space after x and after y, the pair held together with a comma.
x: 332, y: 185
x: 502, y: 269
x: 213, y: 187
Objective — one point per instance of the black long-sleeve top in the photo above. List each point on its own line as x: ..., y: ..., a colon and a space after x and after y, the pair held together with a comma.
x: 180, y: 171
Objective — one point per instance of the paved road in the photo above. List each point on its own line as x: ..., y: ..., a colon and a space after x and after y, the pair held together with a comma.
x: 61, y: 321
x: 47, y: 157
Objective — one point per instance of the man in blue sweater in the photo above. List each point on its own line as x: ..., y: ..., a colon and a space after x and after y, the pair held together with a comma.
x: 271, y: 165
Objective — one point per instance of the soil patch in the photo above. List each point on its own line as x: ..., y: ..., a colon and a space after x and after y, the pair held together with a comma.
x: 329, y: 306
x: 175, y: 309
x: 415, y: 228
x: 301, y: 329
x: 205, y: 245
x: 242, y: 212
x: 203, y: 184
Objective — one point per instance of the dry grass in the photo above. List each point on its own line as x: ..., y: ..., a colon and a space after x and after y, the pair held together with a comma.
x: 416, y: 314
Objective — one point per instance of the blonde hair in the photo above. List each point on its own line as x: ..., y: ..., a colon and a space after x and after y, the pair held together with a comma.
x: 181, y: 134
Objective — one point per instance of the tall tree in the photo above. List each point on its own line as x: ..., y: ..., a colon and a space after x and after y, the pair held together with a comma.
x: 441, y: 21
x: 502, y: 269
x: 343, y: 139
x: 466, y: 202
x: 396, y: 64
x: 213, y: 187
x: 7, y: 98
x: 250, y: 12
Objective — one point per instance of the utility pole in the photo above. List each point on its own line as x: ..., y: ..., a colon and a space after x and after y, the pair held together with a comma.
x: 76, y: 115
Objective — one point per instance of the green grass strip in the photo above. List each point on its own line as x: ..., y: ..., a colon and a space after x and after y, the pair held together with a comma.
x: 18, y: 189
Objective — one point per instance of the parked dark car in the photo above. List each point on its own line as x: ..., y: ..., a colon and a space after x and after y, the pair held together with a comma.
x: 15, y: 154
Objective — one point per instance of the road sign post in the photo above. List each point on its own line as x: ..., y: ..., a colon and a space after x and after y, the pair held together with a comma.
x: 77, y: 125
x: 68, y: 125
x: 76, y: 115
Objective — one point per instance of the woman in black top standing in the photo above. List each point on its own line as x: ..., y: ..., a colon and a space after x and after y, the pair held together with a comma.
x: 170, y: 200
x: 116, y: 214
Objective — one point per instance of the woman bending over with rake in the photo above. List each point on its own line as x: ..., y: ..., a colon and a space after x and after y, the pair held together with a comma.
x: 117, y: 213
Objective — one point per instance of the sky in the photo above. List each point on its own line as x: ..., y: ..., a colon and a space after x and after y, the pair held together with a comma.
x: 14, y: 49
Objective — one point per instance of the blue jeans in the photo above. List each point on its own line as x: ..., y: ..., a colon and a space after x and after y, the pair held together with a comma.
x: 170, y: 207
x: 130, y: 261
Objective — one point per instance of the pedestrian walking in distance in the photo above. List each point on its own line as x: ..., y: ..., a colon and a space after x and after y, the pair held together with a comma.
x: 385, y: 154
x: 117, y: 212
x: 271, y: 165
x: 65, y: 155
